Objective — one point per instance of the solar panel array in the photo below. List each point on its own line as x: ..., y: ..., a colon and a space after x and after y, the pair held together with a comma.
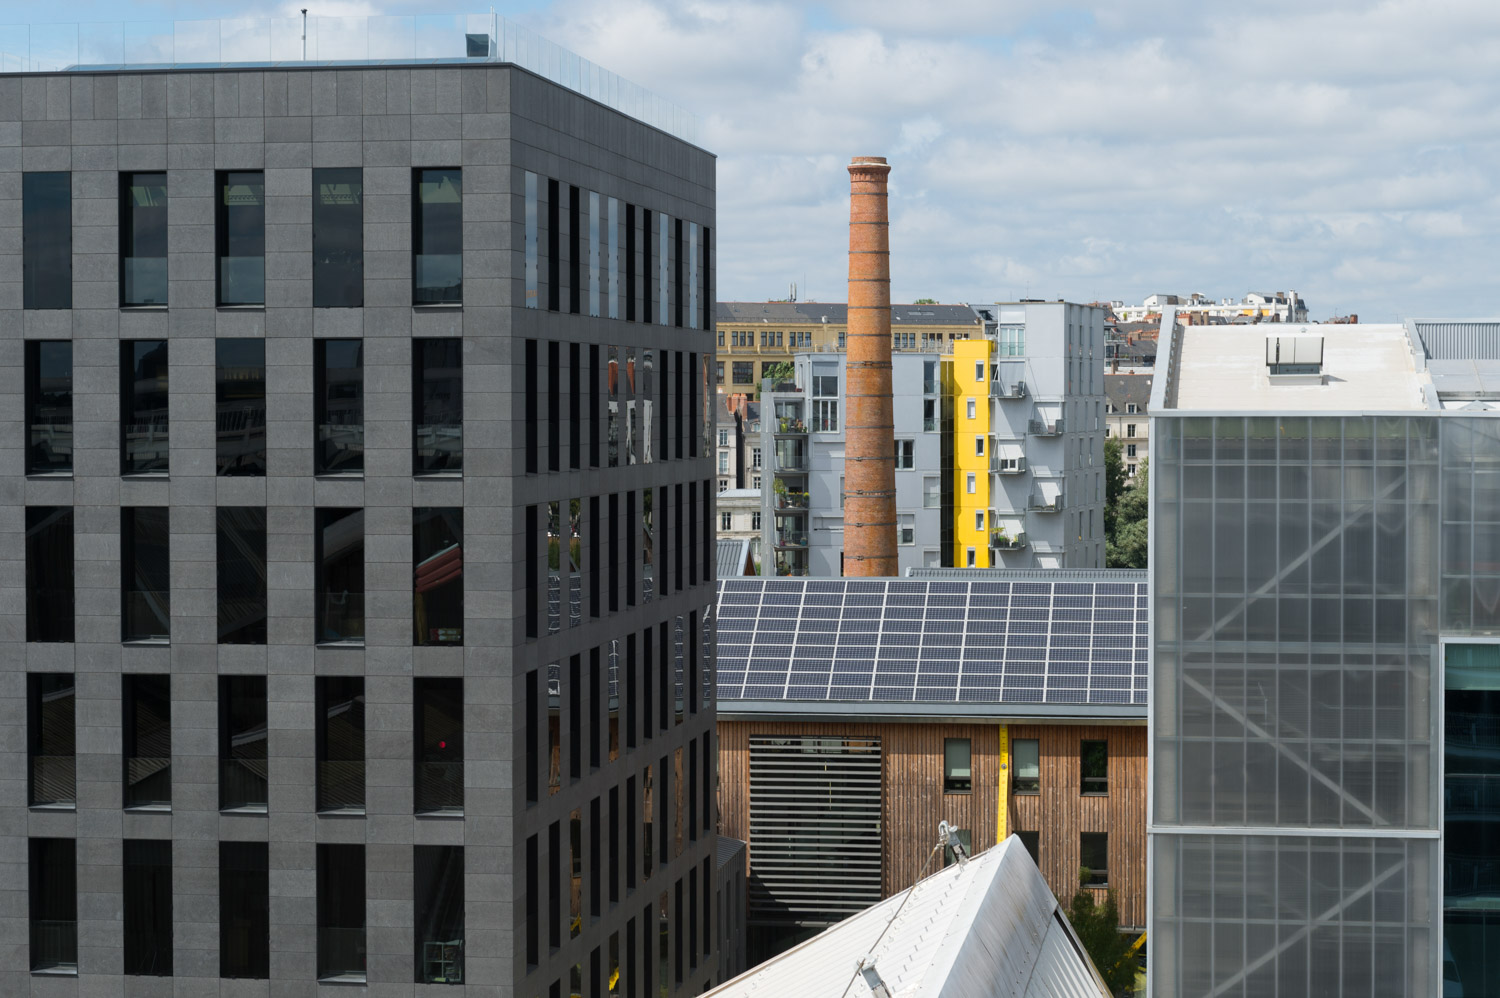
x: 935, y: 640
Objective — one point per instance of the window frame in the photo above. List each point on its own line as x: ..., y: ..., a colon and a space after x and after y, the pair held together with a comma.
x: 1033, y: 784
x: 958, y: 779
x: 1095, y: 785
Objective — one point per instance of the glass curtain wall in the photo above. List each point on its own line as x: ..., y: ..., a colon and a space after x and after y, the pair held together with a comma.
x: 439, y: 722
x: 338, y: 234
x: 146, y: 736
x: 241, y: 230
x: 341, y: 743
x: 49, y: 407
x: 242, y: 743
x: 50, y: 744
x: 143, y: 407
x: 54, y: 904
x: 240, y: 373
x: 438, y: 582
x: 1471, y: 819
x: 438, y: 876
x: 339, y: 404
x: 143, y: 239
x: 1295, y: 566
x: 437, y: 237
x: 49, y: 573
x: 438, y: 394
x: 46, y: 240
x: 244, y: 910
x: 147, y: 907
x: 341, y: 912
x: 242, y: 575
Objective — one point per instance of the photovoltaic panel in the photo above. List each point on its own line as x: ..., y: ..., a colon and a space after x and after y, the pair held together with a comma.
x: 1066, y: 641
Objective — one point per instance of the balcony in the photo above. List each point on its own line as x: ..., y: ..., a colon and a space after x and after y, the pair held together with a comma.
x: 1042, y: 428
x: 1002, y: 464
x: 1003, y: 541
x: 792, y: 562
x: 791, y: 500
x: 791, y: 539
x: 789, y: 460
x: 790, y: 427
x: 1001, y: 389
x: 1040, y: 503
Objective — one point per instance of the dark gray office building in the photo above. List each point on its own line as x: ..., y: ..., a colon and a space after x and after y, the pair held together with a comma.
x: 360, y: 487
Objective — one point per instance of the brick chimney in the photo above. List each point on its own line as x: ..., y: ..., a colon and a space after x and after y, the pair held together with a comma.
x: 869, y: 433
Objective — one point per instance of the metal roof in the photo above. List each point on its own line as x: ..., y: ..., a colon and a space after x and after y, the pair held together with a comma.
x: 1039, y: 638
x: 987, y: 927
x: 837, y: 313
x: 731, y: 556
x: 1458, y: 339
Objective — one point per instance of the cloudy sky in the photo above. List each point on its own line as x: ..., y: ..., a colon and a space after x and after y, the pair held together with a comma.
x: 1039, y: 149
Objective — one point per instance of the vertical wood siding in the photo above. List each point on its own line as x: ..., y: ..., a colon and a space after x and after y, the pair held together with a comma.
x: 914, y: 802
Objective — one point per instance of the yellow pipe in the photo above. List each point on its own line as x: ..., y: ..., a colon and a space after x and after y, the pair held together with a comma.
x: 1002, y: 795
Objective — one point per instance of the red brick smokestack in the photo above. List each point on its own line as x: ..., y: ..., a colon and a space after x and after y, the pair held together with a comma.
x: 869, y: 434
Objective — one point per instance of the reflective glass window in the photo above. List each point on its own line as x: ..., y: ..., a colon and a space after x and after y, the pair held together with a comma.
x: 1094, y: 763
x: 146, y: 739
x: 341, y: 912
x: 244, y: 910
x: 438, y: 397
x: 145, y: 566
x: 47, y: 240
x: 49, y: 573
x: 437, y: 237
x: 242, y: 743
x: 533, y: 288
x: 240, y: 402
x: 241, y: 232
x: 438, y: 581
x: 438, y: 720
x: 1025, y: 760
x: 242, y: 575
x: 143, y: 239
x: 1093, y: 858
x: 338, y: 238
x: 54, y: 904
x: 340, y: 584
x: 49, y: 406
x: 144, y: 443
x: 147, y: 907
x: 438, y: 880
x: 339, y: 405
x: 50, y: 746
x: 340, y: 740
x: 957, y: 766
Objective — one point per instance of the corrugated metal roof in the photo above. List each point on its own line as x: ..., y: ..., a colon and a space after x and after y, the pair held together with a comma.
x: 989, y: 927
x: 1459, y: 339
x: 731, y: 556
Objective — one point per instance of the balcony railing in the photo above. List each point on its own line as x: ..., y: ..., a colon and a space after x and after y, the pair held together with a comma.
x: 794, y: 501
x: 341, y: 954
x: 791, y: 539
x: 440, y: 786
x: 1044, y: 503
x: 242, y: 783
x: 148, y: 781
x: 1003, y: 389
x: 341, y: 785
x: 1042, y: 428
x: 341, y: 617
x: 54, y: 944
x: 1008, y: 465
x: 790, y: 462
x: 930, y: 424
x: 786, y: 427
x: 54, y: 779
x: 1000, y: 540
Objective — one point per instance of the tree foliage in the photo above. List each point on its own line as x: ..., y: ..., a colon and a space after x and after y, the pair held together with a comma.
x: 1098, y: 928
x: 925, y: 301
x: 780, y: 372
x: 1125, y: 510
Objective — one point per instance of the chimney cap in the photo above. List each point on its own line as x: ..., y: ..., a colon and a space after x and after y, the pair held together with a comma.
x: 868, y: 159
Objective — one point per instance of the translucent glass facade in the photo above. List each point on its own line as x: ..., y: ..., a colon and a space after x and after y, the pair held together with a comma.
x: 1295, y: 704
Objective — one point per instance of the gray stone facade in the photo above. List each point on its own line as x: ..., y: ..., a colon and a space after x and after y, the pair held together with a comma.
x: 497, y: 123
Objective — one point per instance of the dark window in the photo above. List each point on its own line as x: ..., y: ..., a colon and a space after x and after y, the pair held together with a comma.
x: 339, y: 401
x: 338, y: 238
x: 957, y: 774
x: 240, y: 371
x: 49, y: 406
x: 966, y: 839
x: 143, y: 406
x: 241, y: 225
x: 146, y: 705
x: 438, y: 879
x: 533, y: 549
x: 341, y: 912
x: 574, y: 289
x: 49, y: 738
x: 147, y: 905
x: 438, y: 393
x: 1094, y: 758
x: 145, y: 568
x: 143, y: 239
x: 1026, y: 770
x: 742, y: 371
x: 533, y: 899
x: 244, y: 910
x: 533, y: 734
x: 575, y: 405
x: 1093, y: 858
x: 437, y: 237
x: 438, y: 719
x: 530, y: 374
x: 242, y: 575
x: 677, y: 255
x: 340, y: 584
x: 54, y: 904
x: 438, y: 585
x: 47, y: 240
x: 554, y: 246
x: 242, y: 743
x: 1032, y: 842
x: 49, y: 573
x: 554, y: 406
x: 340, y: 738
x: 630, y: 263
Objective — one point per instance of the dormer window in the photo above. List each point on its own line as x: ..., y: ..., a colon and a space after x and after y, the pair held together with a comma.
x: 1294, y: 355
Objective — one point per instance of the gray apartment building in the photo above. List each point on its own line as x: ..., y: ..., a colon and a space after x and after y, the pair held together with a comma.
x: 802, y: 449
x: 360, y: 450
x: 1325, y: 690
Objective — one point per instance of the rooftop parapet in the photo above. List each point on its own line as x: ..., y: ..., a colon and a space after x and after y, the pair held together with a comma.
x: 283, y: 42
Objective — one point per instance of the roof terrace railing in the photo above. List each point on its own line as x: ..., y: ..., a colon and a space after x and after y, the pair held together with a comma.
x: 422, y: 39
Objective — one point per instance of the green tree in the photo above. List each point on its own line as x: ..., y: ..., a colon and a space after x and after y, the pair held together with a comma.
x: 925, y: 301
x: 1114, y: 481
x: 779, y: 372
x: 1125, y: 545
x: 1098, y: 928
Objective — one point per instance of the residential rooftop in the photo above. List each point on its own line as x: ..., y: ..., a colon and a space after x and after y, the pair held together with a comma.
x: 837, y: 313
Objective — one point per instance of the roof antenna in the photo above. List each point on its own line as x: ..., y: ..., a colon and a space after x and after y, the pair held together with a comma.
x: 304, y: 34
